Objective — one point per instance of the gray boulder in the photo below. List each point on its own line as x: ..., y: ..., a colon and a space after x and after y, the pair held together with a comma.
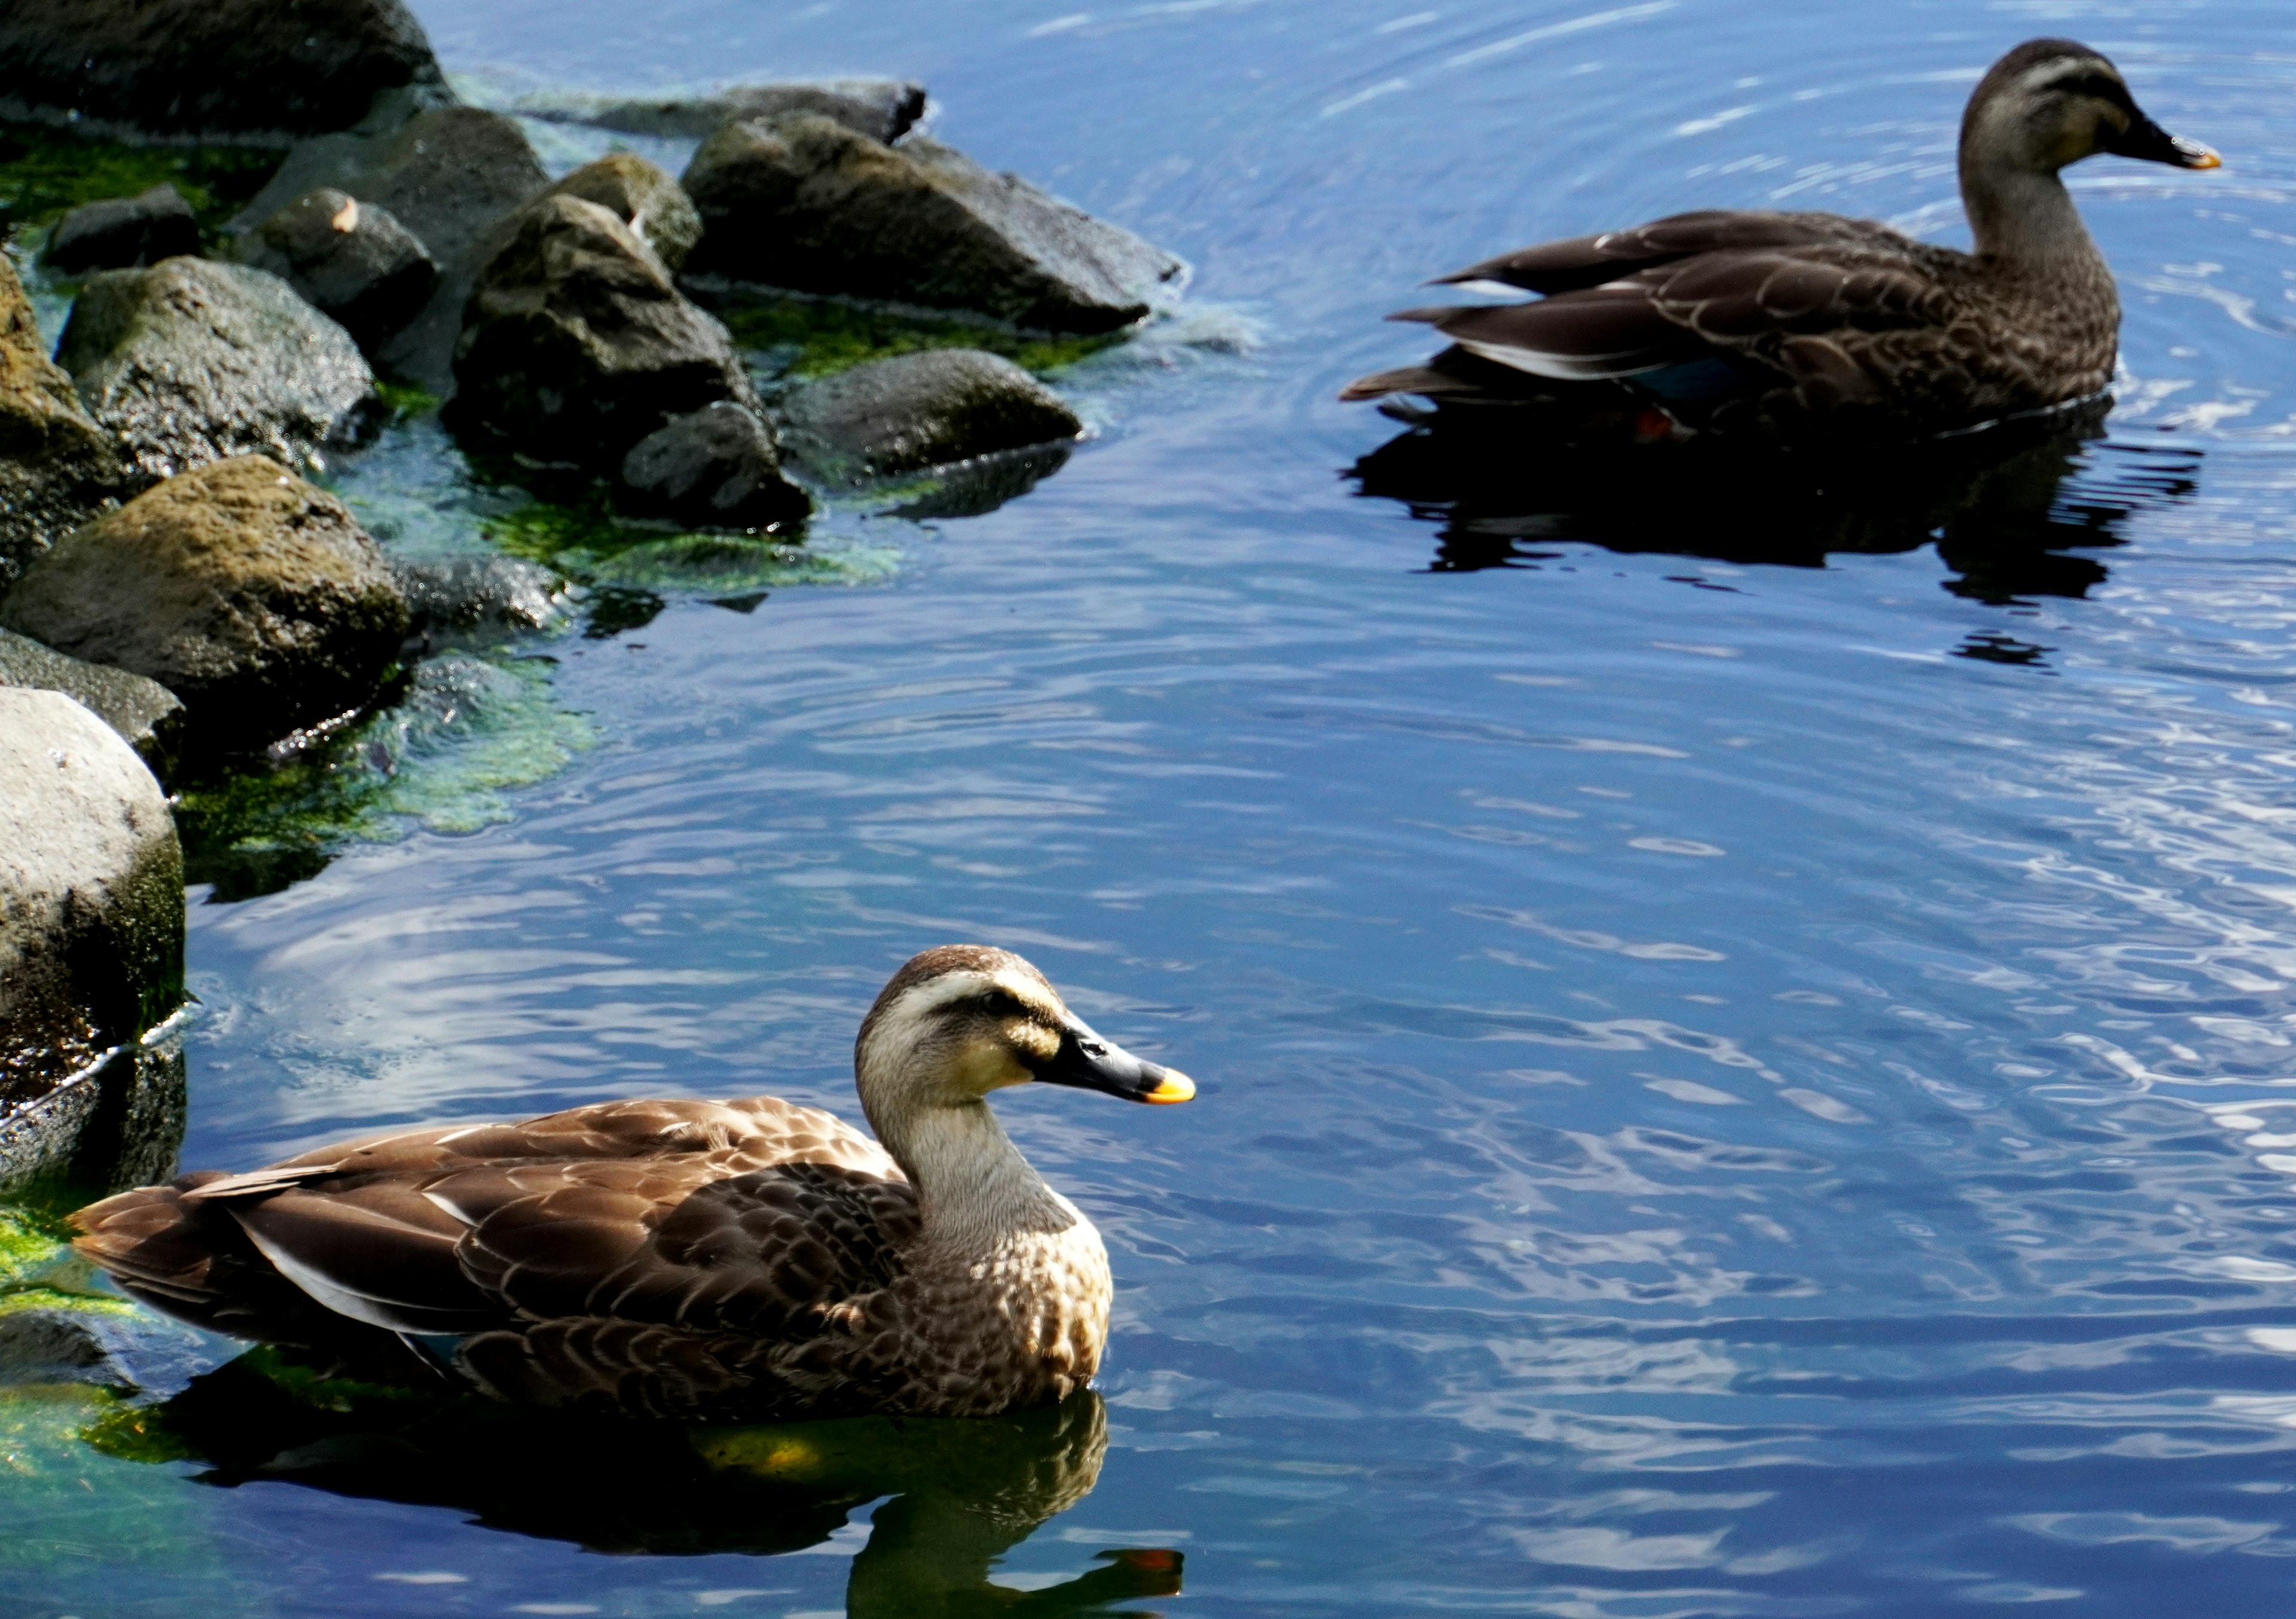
x: 464, y: 596
x: 882, y: 109
x: 717, y: 468
x: 51, y: 1345
x: 247, y: 71
x: 919, y: 410
x: 644, y: 198
x: 352, y: 261
x: 122, y: 233
x: 147, y: 715
x: 251, y: 595
x: 192, y: 362
x: 577, y: 344
x: 447, y: 176
x: 57, y: 467
x: 91, y: 896
x: 802, y: 202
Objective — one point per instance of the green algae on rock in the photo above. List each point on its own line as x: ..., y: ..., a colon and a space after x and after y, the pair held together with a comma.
x: 468, y: 726
x: 794, y: 338
x: 46, y: 173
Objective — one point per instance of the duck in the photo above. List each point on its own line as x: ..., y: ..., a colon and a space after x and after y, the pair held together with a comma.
x: 1750, y: 324
x: 747, y: 1260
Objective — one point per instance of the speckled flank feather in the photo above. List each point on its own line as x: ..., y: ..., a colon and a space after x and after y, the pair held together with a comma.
x: 1784, y: 324
x: 746, y: 1259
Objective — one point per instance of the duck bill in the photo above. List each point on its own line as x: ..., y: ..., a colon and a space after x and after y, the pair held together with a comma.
x: 1090, y: 1063
x: 2148, y: 142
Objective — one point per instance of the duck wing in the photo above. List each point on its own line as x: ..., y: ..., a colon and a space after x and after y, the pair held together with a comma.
x: 1578, y: 262
x: 753, y: 1215
x: 1809, y: 313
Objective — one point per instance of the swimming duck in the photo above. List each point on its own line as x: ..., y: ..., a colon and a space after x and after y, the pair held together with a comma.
x: 714, y: 1260
x: 1781, y: 323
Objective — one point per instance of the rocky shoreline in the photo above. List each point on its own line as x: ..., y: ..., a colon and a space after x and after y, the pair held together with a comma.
x: 333, y: 242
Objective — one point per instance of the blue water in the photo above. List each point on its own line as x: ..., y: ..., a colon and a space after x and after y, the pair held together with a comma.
x: 1727, y: 1088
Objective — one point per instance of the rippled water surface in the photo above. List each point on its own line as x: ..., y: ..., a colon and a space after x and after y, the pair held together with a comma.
x: 1730, y: 1086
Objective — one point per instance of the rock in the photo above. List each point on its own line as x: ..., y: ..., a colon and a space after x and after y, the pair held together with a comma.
x: 802, y: 202
x: 920, y: 410
x: 91, y: 897
x: 192, y: 362
x: 123, y: 232
x: 115, y: 1123
x: 644, y: 198
x: 447, y: 176
x: 253, y: 71
x: 57, y: 467
x: 717, y: 468
x: 147, y: 715
x: 576, y: 343
x: 249, y: 594
x: 477, y: 593
x: 49, y: 1345
x: 352, y: 261
x: 882, y: 109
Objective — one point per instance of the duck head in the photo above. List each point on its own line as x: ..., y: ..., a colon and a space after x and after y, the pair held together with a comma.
x: 963, y: 1020
x: 2053, y: 102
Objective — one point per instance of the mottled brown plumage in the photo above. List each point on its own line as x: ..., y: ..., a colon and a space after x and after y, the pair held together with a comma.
x: 744, y: 1259
x: 1786, y: 323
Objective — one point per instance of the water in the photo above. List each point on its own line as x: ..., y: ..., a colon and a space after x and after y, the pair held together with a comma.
x: 1729, y: 1088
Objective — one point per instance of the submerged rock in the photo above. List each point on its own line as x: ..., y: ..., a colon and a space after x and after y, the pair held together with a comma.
x: 123, y: 232
x: 91, y: 896
x: 245, y: 69
x: 464, y: 595
x: 802, y: 202
x: 717, y: 468
x: 254, y: 596
x: 447, y: 176
x: 352, y: 261
x: 644, y: 198
x: 919, y: 410
x: 882, y: 109
x: 192, y: 362
x: 578, y: 345
x: 57, y: 467
x: 147, y: 715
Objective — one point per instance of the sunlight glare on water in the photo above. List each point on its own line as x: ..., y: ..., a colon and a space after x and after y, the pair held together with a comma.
x: 1727, y: 1088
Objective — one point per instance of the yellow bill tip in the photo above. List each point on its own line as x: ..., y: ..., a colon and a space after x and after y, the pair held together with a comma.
x: 1173, y: 1087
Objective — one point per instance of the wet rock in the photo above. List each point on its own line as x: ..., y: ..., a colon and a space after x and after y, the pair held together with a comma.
x: 447, y: 176
x: 49, y: 1345
x: 577, y: 344
x: 717, y: 468
x: 147, y: 715
x: 252, y: 596
x: 802, y: 202
x: 192, y: 362
x: 882, y: 109
x: 462, y: 596
x: 115, y: 1123
x: 253, y: 71
x: 123, y: 232
x: 91, y: 897
x: 644, y: 198
x: 352, y: 261
x: 920, y: 410
x: 57, y: 467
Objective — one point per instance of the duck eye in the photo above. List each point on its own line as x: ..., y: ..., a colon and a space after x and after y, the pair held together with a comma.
x: 1001, y: 1002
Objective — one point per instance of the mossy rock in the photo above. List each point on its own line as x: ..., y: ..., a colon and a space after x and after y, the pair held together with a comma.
x: 799, y: 338
x: 46, y: 173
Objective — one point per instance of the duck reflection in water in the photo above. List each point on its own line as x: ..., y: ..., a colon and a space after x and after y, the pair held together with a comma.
x: 964, y: 1490
x: 2014, y: 509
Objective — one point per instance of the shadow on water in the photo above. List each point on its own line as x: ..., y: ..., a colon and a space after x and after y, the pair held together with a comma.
x: 2016, y: 511
x: 963, y: 1491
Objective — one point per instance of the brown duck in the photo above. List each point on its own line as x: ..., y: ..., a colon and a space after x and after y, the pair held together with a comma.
x: 1784, y: 324
x: 724, y: 1260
